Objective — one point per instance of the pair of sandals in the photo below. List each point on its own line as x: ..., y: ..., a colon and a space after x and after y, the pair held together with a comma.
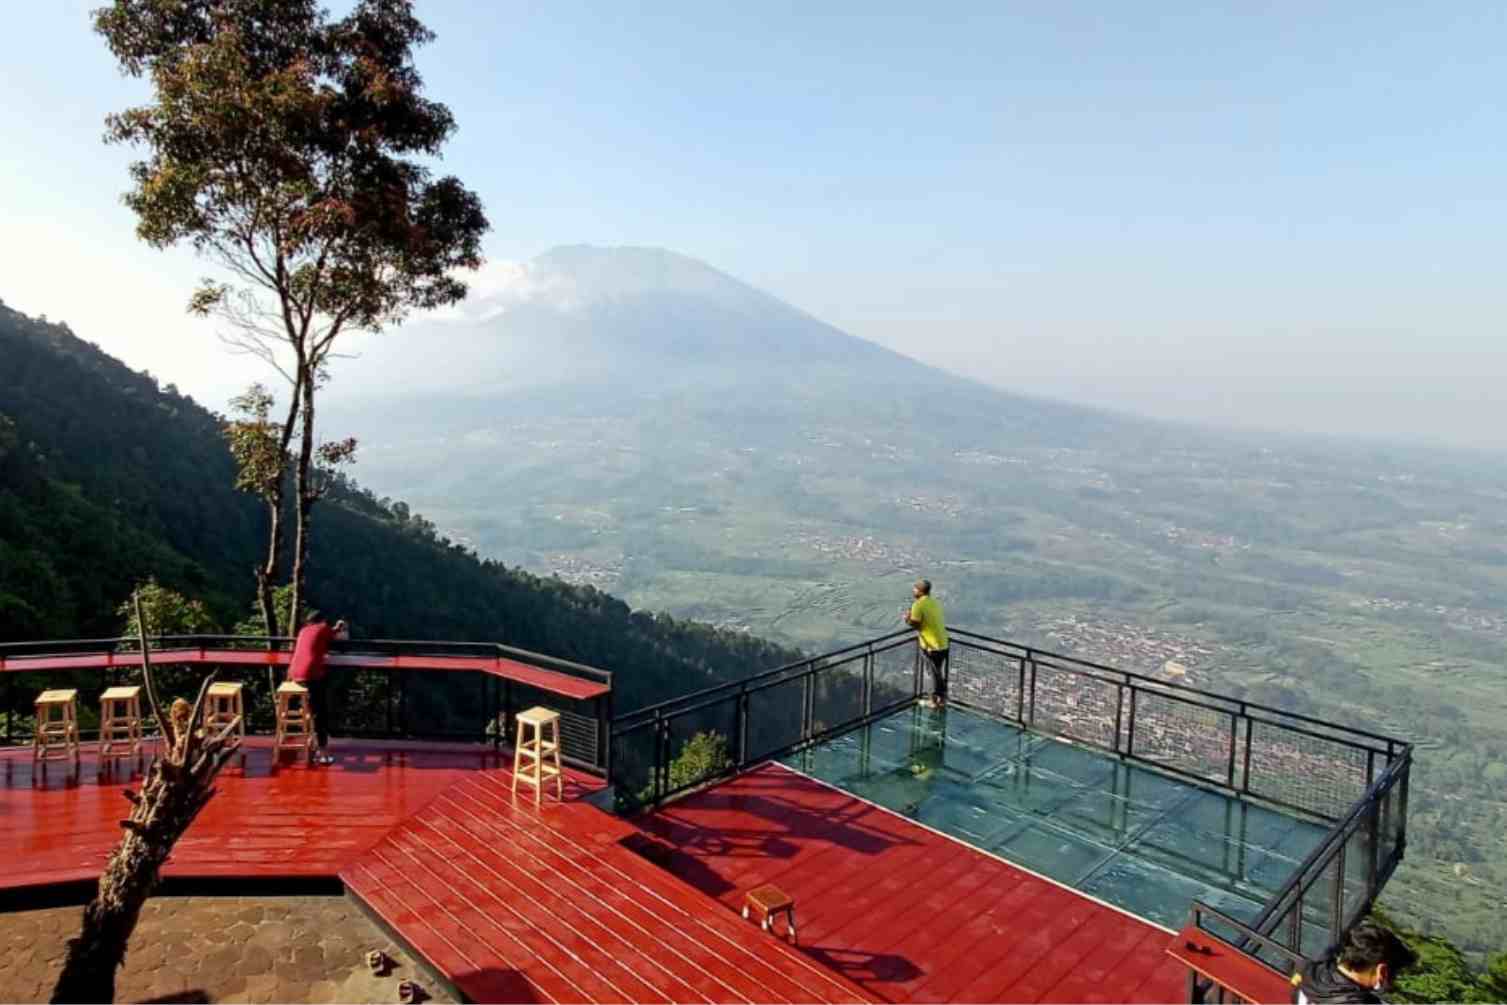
x: 325, y: 759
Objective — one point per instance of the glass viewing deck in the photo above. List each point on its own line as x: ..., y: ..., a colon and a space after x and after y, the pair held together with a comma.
x: 1134, y: 838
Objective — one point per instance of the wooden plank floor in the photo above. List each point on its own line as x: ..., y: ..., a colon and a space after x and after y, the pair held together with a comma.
x: 518, y: 904
x: 266, y: 821
x: 905, y: 913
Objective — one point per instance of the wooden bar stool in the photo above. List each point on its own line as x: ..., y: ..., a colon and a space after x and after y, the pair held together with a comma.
x: 120, y: 722
x: 767, y: 901
x: 529, y: 764
x: 56, y: 736
x: 295, y: 721
x: 224, y: 707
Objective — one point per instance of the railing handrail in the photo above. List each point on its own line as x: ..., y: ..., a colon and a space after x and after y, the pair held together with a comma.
x: 1313, y: 865
x: 1031, y: 652
x: 279, y: 643
x: 742, y: 682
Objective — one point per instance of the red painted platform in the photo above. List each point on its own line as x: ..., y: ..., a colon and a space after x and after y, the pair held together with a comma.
x: 497, y: 666
x: 907, y: 914
x: 265, y: 821
x: 517, y: 904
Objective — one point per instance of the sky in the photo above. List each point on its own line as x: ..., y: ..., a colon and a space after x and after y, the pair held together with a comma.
x: 1267, y: 215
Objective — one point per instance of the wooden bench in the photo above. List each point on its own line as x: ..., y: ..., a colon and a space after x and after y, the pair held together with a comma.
x: 767, y: 901
x: 1215, y: 959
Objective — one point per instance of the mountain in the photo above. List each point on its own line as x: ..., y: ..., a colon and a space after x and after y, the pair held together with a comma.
x: 633, y: 419
x: 107, y: 478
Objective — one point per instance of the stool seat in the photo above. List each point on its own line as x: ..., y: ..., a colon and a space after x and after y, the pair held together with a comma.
x: 120, y: 722
x: 224, y: 707
x: 295, y: 719
x: 56, y: 735
x: 536, y: 759
x: 769, y: 900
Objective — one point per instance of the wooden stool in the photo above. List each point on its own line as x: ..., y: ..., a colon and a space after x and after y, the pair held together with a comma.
x: 120, y: 722
x: 769, y: 900
x: 56, y: 738
x: 529, y: 755
x: 224, y: 708
x: 295, y: 721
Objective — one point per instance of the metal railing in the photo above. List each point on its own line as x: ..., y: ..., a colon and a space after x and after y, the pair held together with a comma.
x: 1294, y: 761
x: 1353, y: 780
x: 396, y: 696
x: 656, y: 752
x: 1333, y: 888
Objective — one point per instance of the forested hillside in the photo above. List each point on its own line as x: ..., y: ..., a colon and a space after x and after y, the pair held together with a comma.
x: 107, y: 478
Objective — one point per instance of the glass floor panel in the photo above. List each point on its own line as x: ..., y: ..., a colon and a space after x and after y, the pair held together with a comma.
x: 1135, y: 838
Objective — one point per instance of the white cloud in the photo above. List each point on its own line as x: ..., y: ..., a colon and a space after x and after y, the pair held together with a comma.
x: 499, y: 286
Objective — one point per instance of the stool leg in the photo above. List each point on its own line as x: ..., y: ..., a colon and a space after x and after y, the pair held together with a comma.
x: 559, y: 774
x: 518, y: 755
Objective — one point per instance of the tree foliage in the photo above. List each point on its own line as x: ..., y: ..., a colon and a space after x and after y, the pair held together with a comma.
x: 167, y: 612
x: 286, y: 148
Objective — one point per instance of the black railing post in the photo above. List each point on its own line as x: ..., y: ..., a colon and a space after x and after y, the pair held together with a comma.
x: 868, y: 682
x: 10, y: 710
x: 1119, y: 710
x: 1245, y: 770
x: 387, y: 700
x: 1402, y: 808
x: 1337, y: 896
x: 1020, y: 691
x: 1295, y: 926
x: 1373, y: 833
x: 508, y: 711
x: 1130, y: 730
x: 1031, y: 707
x: 808, y: 684
x: 1230, y: 770
x: 743, y: 703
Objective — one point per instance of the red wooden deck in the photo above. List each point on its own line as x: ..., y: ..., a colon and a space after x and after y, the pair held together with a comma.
x: 514, y: 904
x: 907, y: 914
x: 264, y: 822
x: 498, y: 666
x: 508, y: 902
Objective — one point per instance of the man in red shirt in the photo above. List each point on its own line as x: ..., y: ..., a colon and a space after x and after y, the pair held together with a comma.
x: 308, y: 668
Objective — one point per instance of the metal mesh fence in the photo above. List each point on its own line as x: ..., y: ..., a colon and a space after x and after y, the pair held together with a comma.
x: 1182, y: 736
x: 988, y: 679
x: 1303, y: 770
x: 1073, y: 704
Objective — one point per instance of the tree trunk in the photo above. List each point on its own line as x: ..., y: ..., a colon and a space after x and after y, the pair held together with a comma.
x: 177, y: 786
x: 306, y: 493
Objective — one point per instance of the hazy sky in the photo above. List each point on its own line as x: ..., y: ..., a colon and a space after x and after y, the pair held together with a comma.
x: 1285, y: 215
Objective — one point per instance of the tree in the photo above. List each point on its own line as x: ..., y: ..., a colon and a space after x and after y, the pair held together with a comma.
x: 176, y: 788
x: 260, y: 449
x: 167, y: 611
x: 281, y: 146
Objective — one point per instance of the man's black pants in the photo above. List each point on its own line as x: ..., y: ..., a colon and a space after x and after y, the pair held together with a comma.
x: 319, y: 705
x: 938, y: 660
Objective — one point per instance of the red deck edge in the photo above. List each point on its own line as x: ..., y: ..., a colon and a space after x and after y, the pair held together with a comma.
x: 498, y: 666
x: 1222, y: 963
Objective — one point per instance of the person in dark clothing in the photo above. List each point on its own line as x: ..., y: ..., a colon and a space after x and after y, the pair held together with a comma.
x: 1367, y: 961
x: 308, y: 668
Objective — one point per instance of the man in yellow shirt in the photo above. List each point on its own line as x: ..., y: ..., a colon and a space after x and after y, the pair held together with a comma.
x: 925, y: 616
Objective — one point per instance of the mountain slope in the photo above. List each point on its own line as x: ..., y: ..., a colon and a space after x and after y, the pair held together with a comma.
x: 637, y: 421
x: 106, y: 478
